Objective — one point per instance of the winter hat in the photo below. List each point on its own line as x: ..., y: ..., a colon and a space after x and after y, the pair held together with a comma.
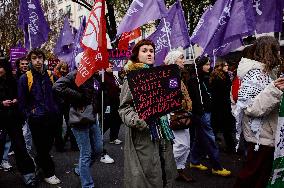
x: 172, y: 57
x: 200, y: 61
x: 78, y: 59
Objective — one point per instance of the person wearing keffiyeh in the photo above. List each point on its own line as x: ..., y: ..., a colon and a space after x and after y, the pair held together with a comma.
x: 257, y: 108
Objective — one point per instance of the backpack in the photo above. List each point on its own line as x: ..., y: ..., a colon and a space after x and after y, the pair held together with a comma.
x: 31, y: 79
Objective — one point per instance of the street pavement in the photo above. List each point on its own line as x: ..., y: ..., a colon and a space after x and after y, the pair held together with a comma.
x: 111, y: 175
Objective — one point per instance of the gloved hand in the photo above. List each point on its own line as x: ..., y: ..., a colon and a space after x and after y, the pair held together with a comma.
x: 139, y: 124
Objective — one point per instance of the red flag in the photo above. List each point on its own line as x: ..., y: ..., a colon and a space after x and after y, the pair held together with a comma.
x: 94, y: 43
x: 128, y: 36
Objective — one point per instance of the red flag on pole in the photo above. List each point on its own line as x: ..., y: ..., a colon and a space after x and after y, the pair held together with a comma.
x: 94, y: 43
x: 128, y: 36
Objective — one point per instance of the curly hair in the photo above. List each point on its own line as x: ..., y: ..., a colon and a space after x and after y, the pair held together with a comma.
x: 218, y: 70
x: 136, y: 48
x: 267, y: 52
x: 36, y: 51
x: 248, y: 52
x: 57, y: 69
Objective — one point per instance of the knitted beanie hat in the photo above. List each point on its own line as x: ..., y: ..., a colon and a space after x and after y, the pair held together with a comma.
x: 200, y: 61
x: 78, y: 59
x: 172, y: 57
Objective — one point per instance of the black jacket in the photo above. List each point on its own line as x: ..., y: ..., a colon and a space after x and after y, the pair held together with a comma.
x: 194, y: 93
x: 66, y: 89
x: 8, y: 91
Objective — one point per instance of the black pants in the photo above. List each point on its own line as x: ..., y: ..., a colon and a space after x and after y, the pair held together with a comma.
x: 112, y: 121
x: 43, y: 131
x: 14, y: 129
x: 58, y: 138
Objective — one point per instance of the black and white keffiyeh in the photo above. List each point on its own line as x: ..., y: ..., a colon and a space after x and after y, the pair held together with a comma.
x: 252, y: 84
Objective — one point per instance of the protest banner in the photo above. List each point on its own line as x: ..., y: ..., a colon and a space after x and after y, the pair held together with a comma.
x: 51, y: 63
x: 16, y: 53
x: 118, y: 58
x: 156, y: 91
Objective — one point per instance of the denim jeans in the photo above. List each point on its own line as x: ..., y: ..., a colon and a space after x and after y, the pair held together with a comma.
x: 90, y: 143
x: 6, y: 149
x: 204, y: 142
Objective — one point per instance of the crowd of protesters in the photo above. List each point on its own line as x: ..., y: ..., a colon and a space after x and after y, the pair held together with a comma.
x: 241, y: 107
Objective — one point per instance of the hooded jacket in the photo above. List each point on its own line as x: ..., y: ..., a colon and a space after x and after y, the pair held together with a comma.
x: 258, y: 103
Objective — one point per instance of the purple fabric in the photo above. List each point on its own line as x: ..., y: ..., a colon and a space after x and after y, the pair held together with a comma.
x: 65, y: 38
x: 141, y: 12
x: 31, y: 19
x: 178, y: 33
x: 268, y: 15
x: 228, y: 47
x: 226, y: 21
x: 77, y: 47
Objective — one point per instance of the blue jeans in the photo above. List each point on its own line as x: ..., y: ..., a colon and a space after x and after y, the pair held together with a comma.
x: 6, y: 149
x: 90, y: 143
x: 205, y: 142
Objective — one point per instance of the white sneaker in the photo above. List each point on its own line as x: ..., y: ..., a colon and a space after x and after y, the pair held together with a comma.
x: 52, y: 180
x: 5, y: 165
x: 106, y: 159
x: 116, y: 141
x: 11, y: 153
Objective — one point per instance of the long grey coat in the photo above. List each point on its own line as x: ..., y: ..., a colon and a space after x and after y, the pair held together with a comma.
x: 144, y: 160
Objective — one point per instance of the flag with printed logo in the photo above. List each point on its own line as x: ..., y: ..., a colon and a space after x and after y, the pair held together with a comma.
x: 94, y: 44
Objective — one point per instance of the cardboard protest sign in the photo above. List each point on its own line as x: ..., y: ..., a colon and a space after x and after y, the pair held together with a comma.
x: 156, y: 91
x: 16, y: 53
x: 118, y: 58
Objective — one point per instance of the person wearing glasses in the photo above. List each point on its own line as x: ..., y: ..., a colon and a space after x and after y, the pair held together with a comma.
x: 40, y: 109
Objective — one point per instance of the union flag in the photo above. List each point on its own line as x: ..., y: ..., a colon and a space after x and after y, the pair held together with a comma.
x: 94, y: 44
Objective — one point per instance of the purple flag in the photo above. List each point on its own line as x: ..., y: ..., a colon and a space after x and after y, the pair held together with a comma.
x: 177, y: 32
x: 140, y: 12
x: 65, y: 40
x: 77, y: 47
x: 268, y: 15
x: 32, y: 22
x: 226, y: 21
x: 228, y: 47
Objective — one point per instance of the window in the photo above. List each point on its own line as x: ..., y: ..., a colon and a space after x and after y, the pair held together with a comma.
x: 59, y: 1
x: 81, y: 19
x: 53, y: 15
x: 188, y: 54
x: 60, y: 12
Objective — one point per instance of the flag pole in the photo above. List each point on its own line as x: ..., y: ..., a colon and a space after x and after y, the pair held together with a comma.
x: 196, y: 72
x: 103, y: 80
x: 30, y: 40
x: 214, y: 59
x: 167, y: 31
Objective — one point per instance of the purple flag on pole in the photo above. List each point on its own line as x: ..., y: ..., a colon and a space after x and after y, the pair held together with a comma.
x: 141, y: 12
x: 228, y: 47
x: 77, y: 47
x: 177, y: 33
x: 268, y: 15
x: 226, y: 21
x: 33, y: 23
x: 65, y: 40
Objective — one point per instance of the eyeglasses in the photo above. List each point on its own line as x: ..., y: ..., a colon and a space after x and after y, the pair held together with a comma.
x: 36, y: 56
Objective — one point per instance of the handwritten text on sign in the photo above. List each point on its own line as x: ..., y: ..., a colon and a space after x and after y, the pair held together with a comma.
x: 156, y: 91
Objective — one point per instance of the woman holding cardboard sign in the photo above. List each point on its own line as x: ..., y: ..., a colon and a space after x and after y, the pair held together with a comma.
x: 149, y: 160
